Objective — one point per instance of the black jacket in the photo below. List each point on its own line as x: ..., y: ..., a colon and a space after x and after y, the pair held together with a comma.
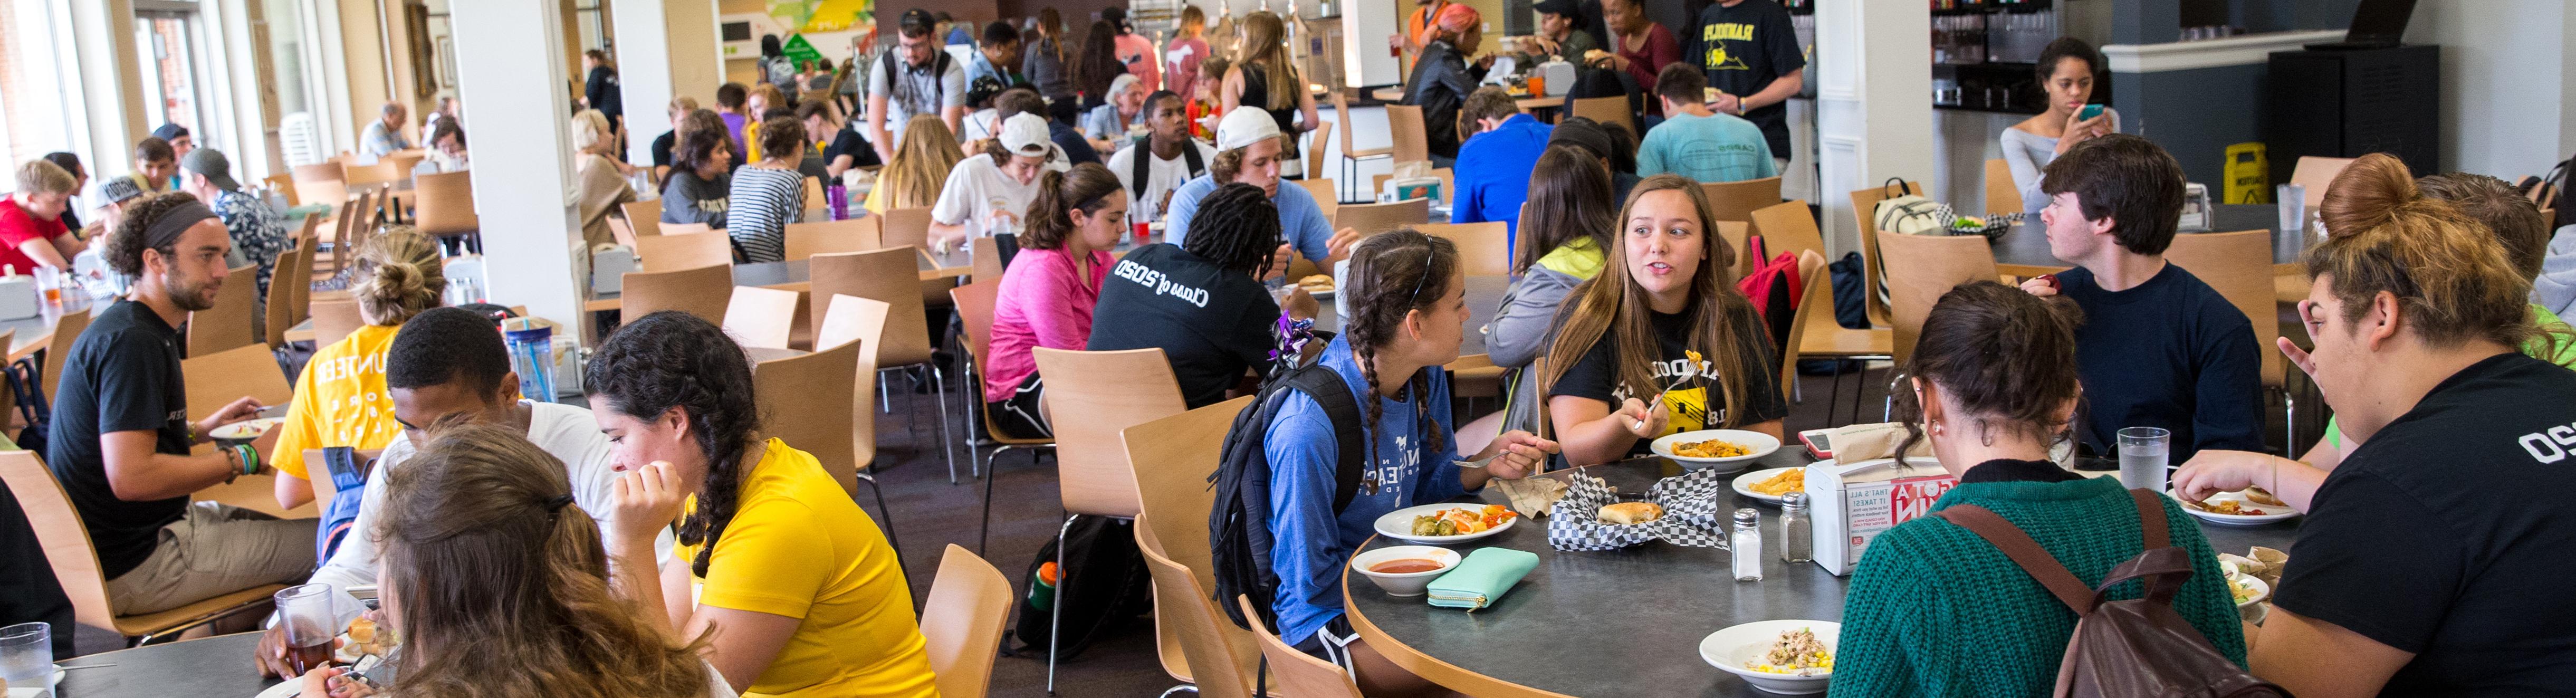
x: 604, y: 95
x: 1441, y: 82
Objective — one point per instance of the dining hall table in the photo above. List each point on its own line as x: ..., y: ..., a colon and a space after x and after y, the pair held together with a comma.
x: 29, y: 334
x: 1628, y: 621
x: 2023, y: 251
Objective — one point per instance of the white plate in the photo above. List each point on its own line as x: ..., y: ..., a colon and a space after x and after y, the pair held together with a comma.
x: 2262, y: 592
x: 2278, y: 513
x: 246, y: 430
x: 1398, y: 524
x: 1744, y: 483
x: 1760, y: 444
x: 1729, y: 649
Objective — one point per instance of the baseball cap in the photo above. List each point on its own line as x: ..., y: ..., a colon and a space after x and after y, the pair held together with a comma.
x: 1025, y: 134
x: 1243, y: 127
x: 211, y: 163
x: 119, y: 190
x: 170, y: 132
x: 1565, y: 8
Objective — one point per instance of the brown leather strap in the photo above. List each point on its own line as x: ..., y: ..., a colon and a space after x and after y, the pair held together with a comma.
x: 2151, y: 516
x: 2018, y: 545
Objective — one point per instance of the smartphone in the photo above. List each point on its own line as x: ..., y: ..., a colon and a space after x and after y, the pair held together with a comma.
x: 1818, y: 443
x: 2089, y: 111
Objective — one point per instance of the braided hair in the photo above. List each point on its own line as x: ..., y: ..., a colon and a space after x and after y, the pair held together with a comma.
x: 1237, y: 227
x: 673, y: 360
x: 1393, y: 274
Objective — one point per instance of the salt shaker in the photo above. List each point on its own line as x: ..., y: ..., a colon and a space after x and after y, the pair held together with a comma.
x: 1746, y: 544
x: 1795, y: 546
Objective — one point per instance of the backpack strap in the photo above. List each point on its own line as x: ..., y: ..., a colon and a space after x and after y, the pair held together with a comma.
x: 1190, y: 151
x: 2018, y: 545
x: 2151, y: 516
x: 1328, y: 390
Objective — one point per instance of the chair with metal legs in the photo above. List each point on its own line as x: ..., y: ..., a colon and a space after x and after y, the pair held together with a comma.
x: 1091, y: 396
x: 975, y: 311
x: 892, y: 276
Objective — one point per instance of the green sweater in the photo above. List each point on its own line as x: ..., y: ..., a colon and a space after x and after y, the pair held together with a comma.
x: 1936, y: 611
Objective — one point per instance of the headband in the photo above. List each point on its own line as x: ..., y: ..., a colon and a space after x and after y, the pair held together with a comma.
x: 164, y: 232
x: 556, y: 503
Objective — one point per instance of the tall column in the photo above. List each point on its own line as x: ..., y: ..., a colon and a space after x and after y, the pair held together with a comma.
x: 1873, y: 102
x: 111, y: 83
x: 512, y: 76
x: 664, y: 48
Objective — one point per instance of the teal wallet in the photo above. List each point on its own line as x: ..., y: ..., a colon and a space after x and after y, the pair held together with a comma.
x: 1482, y: 579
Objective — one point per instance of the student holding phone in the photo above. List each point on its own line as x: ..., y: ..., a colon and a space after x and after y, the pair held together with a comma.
x: 2066, y: 70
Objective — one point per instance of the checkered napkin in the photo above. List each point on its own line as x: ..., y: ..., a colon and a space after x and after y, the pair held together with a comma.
x: 1692, y: 514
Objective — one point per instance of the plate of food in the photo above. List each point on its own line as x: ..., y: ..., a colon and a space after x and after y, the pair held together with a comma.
x: 2249, y: 507
x: 1708, y: 448
x: 1771, y: 485
x: 1442, y: 524
x: 1319, y: 285
x: 1794, y: 657
x: 246, y: 430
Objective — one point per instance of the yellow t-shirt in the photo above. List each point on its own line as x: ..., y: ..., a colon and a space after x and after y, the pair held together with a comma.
x: 798, y: 547
x: 340, y: 400
x: 751, y: 140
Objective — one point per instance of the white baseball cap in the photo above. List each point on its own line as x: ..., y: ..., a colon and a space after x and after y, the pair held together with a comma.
x: 1025, y: 134
x: 1243, y: 127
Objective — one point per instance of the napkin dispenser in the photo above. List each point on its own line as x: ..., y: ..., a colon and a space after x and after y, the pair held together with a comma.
x: 608, y: 267
x: 1559, y: 76
x: 1404, y: 188
x: 1854, y: 503
x: 2195, y: 208
x: 18, y: 299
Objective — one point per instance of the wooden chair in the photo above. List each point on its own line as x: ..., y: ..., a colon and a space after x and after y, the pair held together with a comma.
x: 705, y: 292
x: 1090, y: 397
x: 1485, y: 248
x: 1371, y: 219
x: 227, y: 324
x: 280, y: 310
x: 906, y: 226
x: 1737, y: 236
x: 1788, y: 227
x: 823, y: 237
x: 1170, y: 457
x: 984, y: 262
x: 1322, y: 191
x: 861, y: 320
x: 58, y: 349
x: 1873, y: 270
x: 1351, y: 156
x: 962, y: 621
x: 1299, y: 674
x: 380, y: 173
x: 1316, y: 141
x: 644, y: 216
x: 1607, y: 110
x: 215, y: 380
x: 975, y: 317
x: 2002, y: 195
x: 2316, y: 173
x: 68, y: 550
x: 2239, y: 266
x: 1735, y: 201
x: 284, y: 186
x: 322, y: 182
x: 335, y: 318
x: 445, y: 204
x: 761, y: 317
x: 807, y: 401
x: 1198, y: 644
x: 669, y: 252
x: 1411, y: 138
x: 1922, y: 268
x: 813, y: 193
x: 892, y: 276
x: 686, y: 228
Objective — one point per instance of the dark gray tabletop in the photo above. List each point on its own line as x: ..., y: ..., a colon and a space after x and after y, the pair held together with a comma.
x: 1484, y: 297
x: 214, y: 667
x: 1647, y: 606
x: 33, y: 329
x: 2027, y: 244
x: 797, y: 271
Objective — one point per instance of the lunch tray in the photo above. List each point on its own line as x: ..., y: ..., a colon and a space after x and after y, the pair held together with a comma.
x: 1692, y: 514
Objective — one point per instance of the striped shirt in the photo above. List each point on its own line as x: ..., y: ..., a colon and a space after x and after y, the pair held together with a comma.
x: 764, y: 201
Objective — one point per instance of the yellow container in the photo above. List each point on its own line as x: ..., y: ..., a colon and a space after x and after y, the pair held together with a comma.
x: 2249, y: 178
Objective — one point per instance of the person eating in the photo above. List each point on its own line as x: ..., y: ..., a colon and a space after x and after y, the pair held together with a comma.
x: 1248, y: 151
x: 1047, y: 296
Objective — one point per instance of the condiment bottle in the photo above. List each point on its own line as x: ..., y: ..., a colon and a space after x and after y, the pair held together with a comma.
x: 1746, y: 544
x: 1795, y: 546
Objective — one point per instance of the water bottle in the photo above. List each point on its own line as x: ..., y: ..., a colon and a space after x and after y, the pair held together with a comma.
x: 532, y: 355
x: 1042, y: 592
x: 836, y: 199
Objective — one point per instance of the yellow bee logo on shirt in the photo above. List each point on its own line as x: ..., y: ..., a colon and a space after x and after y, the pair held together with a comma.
x: 1714, y: 37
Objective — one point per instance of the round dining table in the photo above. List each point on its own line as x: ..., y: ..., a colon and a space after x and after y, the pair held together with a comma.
x: 1626, y: 621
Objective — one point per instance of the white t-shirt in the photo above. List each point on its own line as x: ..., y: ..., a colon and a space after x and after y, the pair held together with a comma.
x: 566, y: 432
x: 1161, y: 177
x: 976, y: 187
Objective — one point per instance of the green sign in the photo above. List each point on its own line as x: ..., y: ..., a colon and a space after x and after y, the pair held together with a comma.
x: 798, y: 50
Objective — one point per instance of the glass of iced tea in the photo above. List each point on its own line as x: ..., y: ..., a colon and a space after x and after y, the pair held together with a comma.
x: 305, y: 611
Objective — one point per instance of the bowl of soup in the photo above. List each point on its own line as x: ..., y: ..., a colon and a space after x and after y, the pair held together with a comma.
x: 1405, y: 570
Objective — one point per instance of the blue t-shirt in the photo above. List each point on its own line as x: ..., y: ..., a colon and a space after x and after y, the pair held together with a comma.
x: 1713, y: 148
x: 1494, y: 172
x: 1301, y: 221
x: 2169, y: 353
x: 1312, y: 544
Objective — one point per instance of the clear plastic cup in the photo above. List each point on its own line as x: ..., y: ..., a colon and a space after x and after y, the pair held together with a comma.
x: 304, y: 610
x: 27, y: 654
x: 2145, y: 457
x: 2293, y: 202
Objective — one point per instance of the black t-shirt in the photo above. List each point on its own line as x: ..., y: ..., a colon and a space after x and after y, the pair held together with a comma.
x: 122, y: 375
x: 2168, y: 353
x: 1596, y: 376
x: 1743, y: 49
x: 1077, y: 150
x: 848, y: 142
x: 1212, y: 324
x: 662, y: 145
x: 2449, y: 534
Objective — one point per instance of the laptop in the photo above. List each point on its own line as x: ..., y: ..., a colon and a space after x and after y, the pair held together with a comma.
x: 2375, y: 24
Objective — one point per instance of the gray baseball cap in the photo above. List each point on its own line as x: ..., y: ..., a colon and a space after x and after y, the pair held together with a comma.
x: 211, y: 163
x: 119, y: 189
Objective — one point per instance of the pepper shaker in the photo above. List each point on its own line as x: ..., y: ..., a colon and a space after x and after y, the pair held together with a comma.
x: 1795, y: 545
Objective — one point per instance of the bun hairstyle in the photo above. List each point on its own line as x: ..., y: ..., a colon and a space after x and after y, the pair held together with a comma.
x: 782, y: 139
x: 673, y: 360
x: 399, y: 275
x: 2450, y: 275
x: 1393, y: 274
x: 1086, y: 187
x: 2007, y: 358
x: 504, y: 583
x: 1613, y: 308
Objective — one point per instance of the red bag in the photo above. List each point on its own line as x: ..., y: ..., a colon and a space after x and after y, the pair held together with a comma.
x: 1774, y: 287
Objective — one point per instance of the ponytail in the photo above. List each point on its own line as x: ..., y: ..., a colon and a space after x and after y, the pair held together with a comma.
x: 1050, y: 218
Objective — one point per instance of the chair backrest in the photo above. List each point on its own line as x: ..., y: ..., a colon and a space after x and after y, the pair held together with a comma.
x: 1788, y: 227
x: 284, y: 186
x: 705, y: 292
x: 1300, y: 674
x: 2239, y: 266
x: 215, y: 380
x: 687, y: 251
x: 1171, y: 458
x: 334, y: 318
x: 1220, y: 657
x: 1736, y: 234
x: 685, y: 228
x: 1865, y: 210
x: 906, y: 226
x: 1921, y: 268
x: 891, y: 275
x: 227, y: 324
x: 862, y: 320
x: 962, y: 620
x: 59, y: 530
x: 1412, y: 139
x: 1735, y: 201
x: 825, y: 237
x: 444, y: 203
x: 1371, y: 219
x: 1486, y: 248
x: 281, y: 306
x: 806, y: 402
x: 813, y: 192
x: 975, y: 316
x: 1322, y: 190
x: 323, y: 182
x: 382, y: 172
x: 1316, y: 143
x: 1607, y: 110
x: 644, y: 216
x: 1814, y: 301
x: 2315, y: 173
x: 1090, y: 397
x: 58, y: 348
x: 2002, y: 195
x: 984, y: 262
x: 761, y: 317
x: 621, y: 232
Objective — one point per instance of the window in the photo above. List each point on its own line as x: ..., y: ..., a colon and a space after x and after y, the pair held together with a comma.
x: 170, y: 48
x: 34, y: 109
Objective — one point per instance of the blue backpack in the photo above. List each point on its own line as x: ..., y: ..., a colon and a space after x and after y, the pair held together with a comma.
x: 349, y: 478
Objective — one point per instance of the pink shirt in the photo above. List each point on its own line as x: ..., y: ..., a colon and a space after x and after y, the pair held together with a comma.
x: 1185, y: 72
x: 1041, y: 304
x: 1138, y: 53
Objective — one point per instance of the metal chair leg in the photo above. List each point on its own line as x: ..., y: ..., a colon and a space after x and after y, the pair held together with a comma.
x: 985, y: 533
x: 1055, y: 607
x: 885, y: 516
x: 947, y: 450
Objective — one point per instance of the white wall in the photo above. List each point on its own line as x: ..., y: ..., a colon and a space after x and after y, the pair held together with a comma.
x: 2508, y: 83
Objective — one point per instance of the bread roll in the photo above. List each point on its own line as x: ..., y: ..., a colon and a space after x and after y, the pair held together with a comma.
x: 1626, y: 513
x: 2258, y: 496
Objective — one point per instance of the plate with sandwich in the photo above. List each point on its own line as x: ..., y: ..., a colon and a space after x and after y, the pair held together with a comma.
x: 2248, y: 507
x: 1319, y: 286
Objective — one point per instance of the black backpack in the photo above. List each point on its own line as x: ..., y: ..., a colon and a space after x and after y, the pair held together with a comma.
x: 27, y: 387
x: 1109, y: 587
x: 1239, y: 522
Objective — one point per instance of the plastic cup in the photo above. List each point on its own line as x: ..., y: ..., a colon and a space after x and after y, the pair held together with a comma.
x: 2293, y: 202
x: 2144, y: 458
x: 304, y: 610
x: 27, y: 654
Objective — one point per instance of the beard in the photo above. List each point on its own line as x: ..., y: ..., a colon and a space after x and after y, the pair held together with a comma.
x: 190, y: 297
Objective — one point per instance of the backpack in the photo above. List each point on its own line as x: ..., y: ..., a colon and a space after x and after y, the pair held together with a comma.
x: 1910, y: 214
x: 1239, y: 523
x: 2549, y: 192
x: 1111, y: 587
x: 1590, y: 82
x: 2137, y: 647
x: 26, y: 379
x: 1773, y: 287
x: 349, y: 481
x: 939, y: 62
x: 1144, y: 162
x: 1851, y: 308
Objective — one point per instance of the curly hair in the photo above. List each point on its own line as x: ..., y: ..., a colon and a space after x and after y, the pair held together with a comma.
x: 782, y: 139
x: 673, y: 360
x: 1393, y: 274
x: 2006, y: 356
x: 702, y: 135
x: 125, y: 245
x: 1237, y: 228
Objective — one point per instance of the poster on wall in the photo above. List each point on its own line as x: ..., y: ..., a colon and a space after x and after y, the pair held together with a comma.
x: 818, y: 16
